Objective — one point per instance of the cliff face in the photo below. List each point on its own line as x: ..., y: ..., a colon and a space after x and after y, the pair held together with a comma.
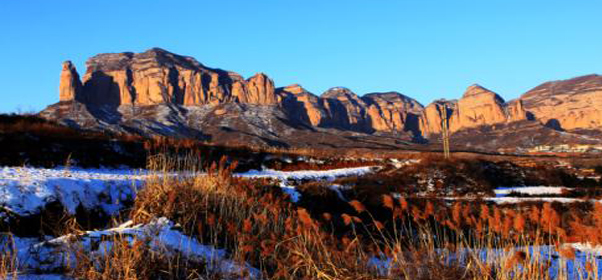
x: 480, y: 106
x: 301, y: 103
x: 70, y: 86
x: 431, y: 118
x: 345, y: 109
x: 570, y: 104
x: 157, y: 77
x: 392, y: 111
x: 130, y: 81
x: 477, y: 107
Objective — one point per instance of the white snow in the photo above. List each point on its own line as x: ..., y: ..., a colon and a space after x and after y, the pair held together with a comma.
x: 595, y: 250
x: 25, y: 191
x: 161, y: 235
x: 559, y: 267
x: 307, y: 174
x: 502, y: 195
x: 505, y: 200
x: 513, y: 200
x: 531, y: 190
x: 401, y: 163
x: 285, y: 176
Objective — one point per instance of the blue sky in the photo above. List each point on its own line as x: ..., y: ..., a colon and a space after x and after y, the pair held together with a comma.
x: 425, y: 49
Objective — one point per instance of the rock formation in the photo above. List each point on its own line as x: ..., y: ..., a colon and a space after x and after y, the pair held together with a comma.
x: 160, y: 77
x: 477, y: 107
x: 433, y: 115
x: 303, y: 104
x: 260, y: 90
x: 157, y: 77
x: 70, y: 86
x: 345, y: 109
x: 130, y: 82
x: 392, y: 111
x: 480, y: 106
x: 569, y: 104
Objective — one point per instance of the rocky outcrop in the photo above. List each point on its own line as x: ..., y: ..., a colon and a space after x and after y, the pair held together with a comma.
x: 341, y: 108
x: 345, y: 109
x: 568, y: 104
x: 70, y: 87
x: 260, y: 91
x: 157, y: 77
x: 477, y: 107
x: 515, y: 111
x: 433, y: 115
x: 130, y: 83
x: 303, y: 104
x: 392, y: 111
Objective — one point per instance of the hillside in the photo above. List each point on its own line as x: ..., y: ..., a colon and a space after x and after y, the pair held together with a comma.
x: 160, y: 93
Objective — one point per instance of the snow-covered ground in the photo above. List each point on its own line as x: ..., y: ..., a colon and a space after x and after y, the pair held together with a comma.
x: 401, y: 163
x: 511, y: 200
x: 161, y: 235
x: 535, y: 190
x: 26, y: 191
x: 539, y: 193
x: 559, y: 267
x: 287, y: 178
x: 307, y: 174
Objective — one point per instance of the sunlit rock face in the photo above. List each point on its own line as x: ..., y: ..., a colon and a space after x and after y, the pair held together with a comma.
x: 158, y: 92
x: 301, y: 103
x: 392, y: 111
x: 477, y: 107
x: 70, y: 87
x: 569, y: 104
x: 158, y: 77
x: 433, y: 115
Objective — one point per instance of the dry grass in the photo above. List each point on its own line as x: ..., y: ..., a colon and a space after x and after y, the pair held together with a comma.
x: 134, y: 260
x: 256, y: 223
x: 8, y: 260
x: 285, y: 241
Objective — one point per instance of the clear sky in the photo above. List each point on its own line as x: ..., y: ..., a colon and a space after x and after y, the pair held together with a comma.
x: 425, y: 49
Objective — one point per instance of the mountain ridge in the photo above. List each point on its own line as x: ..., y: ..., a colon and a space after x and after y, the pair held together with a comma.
x: 119, y: 90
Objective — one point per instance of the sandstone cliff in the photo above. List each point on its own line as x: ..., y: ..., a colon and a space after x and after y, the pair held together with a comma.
x: 304, y: 105
x: 433, y: 115
x: 341, y: 108
x: 477, y: 107
x: 122, y: 85
x: 260, y: 90
x: 157, y: 77
x: 392, y: 111
x: 569, y: 104
x: 345, y: 109
x: 70, y: 85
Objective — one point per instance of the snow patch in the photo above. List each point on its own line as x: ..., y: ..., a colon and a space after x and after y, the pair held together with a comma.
x: 26, y: 191
x: 286, y: 176
x: 534, y: 190
x: 161, y: 235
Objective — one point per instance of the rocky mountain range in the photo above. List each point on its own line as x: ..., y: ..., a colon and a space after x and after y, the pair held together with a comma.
x: 158, y: 92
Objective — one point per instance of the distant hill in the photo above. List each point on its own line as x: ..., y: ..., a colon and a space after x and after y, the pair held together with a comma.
x: 160, y: 93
